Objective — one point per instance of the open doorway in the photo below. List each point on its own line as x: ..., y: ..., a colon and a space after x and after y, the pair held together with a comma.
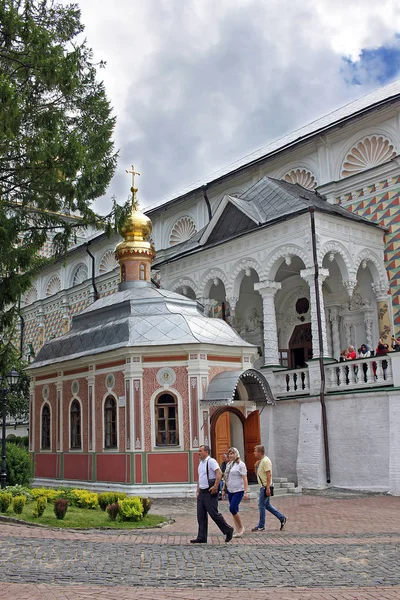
x: 300, y: 346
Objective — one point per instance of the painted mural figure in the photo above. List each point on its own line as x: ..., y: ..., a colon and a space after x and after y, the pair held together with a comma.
x: 207, y: 498
x: 264, y: 477
x: 236, y: 486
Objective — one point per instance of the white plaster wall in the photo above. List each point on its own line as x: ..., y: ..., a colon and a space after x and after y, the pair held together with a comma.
x: 285, y: 426
x: 358, y: 430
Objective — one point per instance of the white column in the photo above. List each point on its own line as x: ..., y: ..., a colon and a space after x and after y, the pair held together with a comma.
x: 308, y: 275
x: 368, y: 321
x: 267, y: 290
x: 334, y: 318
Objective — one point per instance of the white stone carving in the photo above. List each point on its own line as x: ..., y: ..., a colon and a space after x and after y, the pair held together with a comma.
x: 108, y: 262
x: 308, y: 275
x: 166, y: 376
x: 53, y: 286
x: 267, y: 290
x: 184, y: 283
x: 182, y: 230
x: 279, y: 255
x: 371, y: 151
x: 350, y: 286
x: 303, y: 177
x: 31, y: 296
x: 80, y: 275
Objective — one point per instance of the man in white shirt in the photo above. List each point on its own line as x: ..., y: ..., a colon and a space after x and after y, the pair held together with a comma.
x: 207, y: 497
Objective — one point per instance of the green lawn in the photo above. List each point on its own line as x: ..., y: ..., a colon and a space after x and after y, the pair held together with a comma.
x: 79, y: 518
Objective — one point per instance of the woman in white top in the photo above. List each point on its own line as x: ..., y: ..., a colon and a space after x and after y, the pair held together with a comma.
x: 236, y: 486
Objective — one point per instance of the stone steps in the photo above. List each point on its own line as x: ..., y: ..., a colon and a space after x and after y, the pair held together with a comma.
x: 282, y: 487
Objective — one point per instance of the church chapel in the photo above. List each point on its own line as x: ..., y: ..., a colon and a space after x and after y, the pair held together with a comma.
x: 244, y: 247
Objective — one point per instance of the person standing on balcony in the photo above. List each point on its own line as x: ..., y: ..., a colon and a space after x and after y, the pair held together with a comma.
x: 351, y: 353
x: 263, y: 468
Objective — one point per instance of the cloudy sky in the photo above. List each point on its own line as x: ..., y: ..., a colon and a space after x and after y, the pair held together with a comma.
x: 198, y: 84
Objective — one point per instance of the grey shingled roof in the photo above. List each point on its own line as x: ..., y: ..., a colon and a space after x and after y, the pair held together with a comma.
x: 141, y: 316
x: 268, y: 201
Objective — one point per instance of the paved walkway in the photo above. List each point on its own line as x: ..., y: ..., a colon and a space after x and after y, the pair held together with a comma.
x: 335, y: 546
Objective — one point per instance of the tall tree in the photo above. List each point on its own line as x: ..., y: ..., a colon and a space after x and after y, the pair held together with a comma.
x: 56, y: 150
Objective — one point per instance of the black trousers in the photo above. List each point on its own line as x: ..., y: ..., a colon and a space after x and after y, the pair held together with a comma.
x: 207, y: 504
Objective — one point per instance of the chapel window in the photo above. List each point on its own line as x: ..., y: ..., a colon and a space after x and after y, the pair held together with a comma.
x: 46, y: 427
x: 166, y: 421
x: 141, y: 272
x: 76, y: 441
x: 110, y: 423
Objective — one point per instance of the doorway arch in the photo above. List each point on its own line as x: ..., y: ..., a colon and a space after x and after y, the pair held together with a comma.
x: 229, y: 427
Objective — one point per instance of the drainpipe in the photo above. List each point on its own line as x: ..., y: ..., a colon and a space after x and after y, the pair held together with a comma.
x: 96, y: 293
x: 321, y: 354
x: 22, y: 330
x: 207, y: 201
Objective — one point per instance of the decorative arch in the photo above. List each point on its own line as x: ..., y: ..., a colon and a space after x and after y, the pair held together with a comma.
x: 53, y: 286
x: 182, y: 230
x: 75, y: 412
x: 208, y: 280
x: 184, y: 282
x: 239, y: 272
x: 45, y: 426
x: 79, y: 275
x: 31, y: 296
x: 368, y: 152
x: 303, y: 177
x: 108, y: 262
x: 375, y: 265
x: 278, y: 257
x: 346, y: 265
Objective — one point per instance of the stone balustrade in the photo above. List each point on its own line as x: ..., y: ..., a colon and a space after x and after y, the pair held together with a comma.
x: 356, y: 374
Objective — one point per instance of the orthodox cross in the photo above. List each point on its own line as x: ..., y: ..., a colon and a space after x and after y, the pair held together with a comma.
x: 133, y: 172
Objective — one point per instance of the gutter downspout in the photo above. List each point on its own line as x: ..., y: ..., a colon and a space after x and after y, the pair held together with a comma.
x: 207, y: 201
x: 321, y: 354
x: 96, y: 293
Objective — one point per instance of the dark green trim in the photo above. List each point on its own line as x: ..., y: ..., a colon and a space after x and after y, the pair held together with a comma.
x: 61, y: 466
x: 93, y: 466
x: 132, y: 474
x: 144, y: 468
x: 191, y: 466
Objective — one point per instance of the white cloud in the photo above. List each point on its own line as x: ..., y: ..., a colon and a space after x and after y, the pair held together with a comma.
x: 197, y: 84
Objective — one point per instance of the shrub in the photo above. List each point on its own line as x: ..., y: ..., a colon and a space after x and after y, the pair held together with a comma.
x: 85, y: 499
x: 106, y: 498
x: 19, y: 440
x: 47, y: 493
x: 19, y: 465
x: 19, y: 490
x: 113, y: 510
x: 18, y: 504
x: 146, y: 503
x: 5, y: 501
x: 131, y: 509
x: 60, y: 508
x: 40, y: 506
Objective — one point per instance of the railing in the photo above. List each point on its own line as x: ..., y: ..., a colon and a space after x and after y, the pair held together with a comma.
x: 292, y: 382
x: 364, y: 373
x: 361, y: 373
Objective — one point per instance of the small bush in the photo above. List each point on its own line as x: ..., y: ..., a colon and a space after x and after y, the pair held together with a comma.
x: 18, y: 504
x: 131, y: 509
x: 19, y: 490
x: 5, y: 501
x: 113, y: 510
x: 48, y: 493
x: 40, y: 506
x: 85, y: 499
x: 19, y: 465
x: 19, y: 440
x: 60, y: 508
x: 146, y: 503
x: 106, y: 498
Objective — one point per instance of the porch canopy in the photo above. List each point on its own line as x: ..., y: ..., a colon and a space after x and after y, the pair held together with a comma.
x: 226, y: 387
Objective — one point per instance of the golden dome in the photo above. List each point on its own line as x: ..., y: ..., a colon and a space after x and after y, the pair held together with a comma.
x: 136, y: 229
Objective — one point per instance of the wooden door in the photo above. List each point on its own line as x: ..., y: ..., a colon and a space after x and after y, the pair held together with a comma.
x: 252, y: 437
x: 222, y: 436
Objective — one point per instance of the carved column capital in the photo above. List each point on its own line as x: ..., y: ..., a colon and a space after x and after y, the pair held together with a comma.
x: 350, y: 285
x: 380, y: 290
x: 309, y: 275
x: 267, y: 288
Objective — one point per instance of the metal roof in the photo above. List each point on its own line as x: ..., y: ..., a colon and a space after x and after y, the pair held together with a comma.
x: 222, y: 388
x: 141, y: 316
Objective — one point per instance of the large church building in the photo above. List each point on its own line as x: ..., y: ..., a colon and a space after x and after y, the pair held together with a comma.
x: 293, y: 254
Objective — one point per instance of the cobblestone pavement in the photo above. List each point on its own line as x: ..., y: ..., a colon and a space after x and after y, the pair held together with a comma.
x: 334, y: 546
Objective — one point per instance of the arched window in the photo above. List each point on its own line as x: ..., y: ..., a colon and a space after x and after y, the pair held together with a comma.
x: 75, y: 416
x: 141, y: 272
x: 110, y: 423
x: 46, y: 427
x: 167, y: 433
